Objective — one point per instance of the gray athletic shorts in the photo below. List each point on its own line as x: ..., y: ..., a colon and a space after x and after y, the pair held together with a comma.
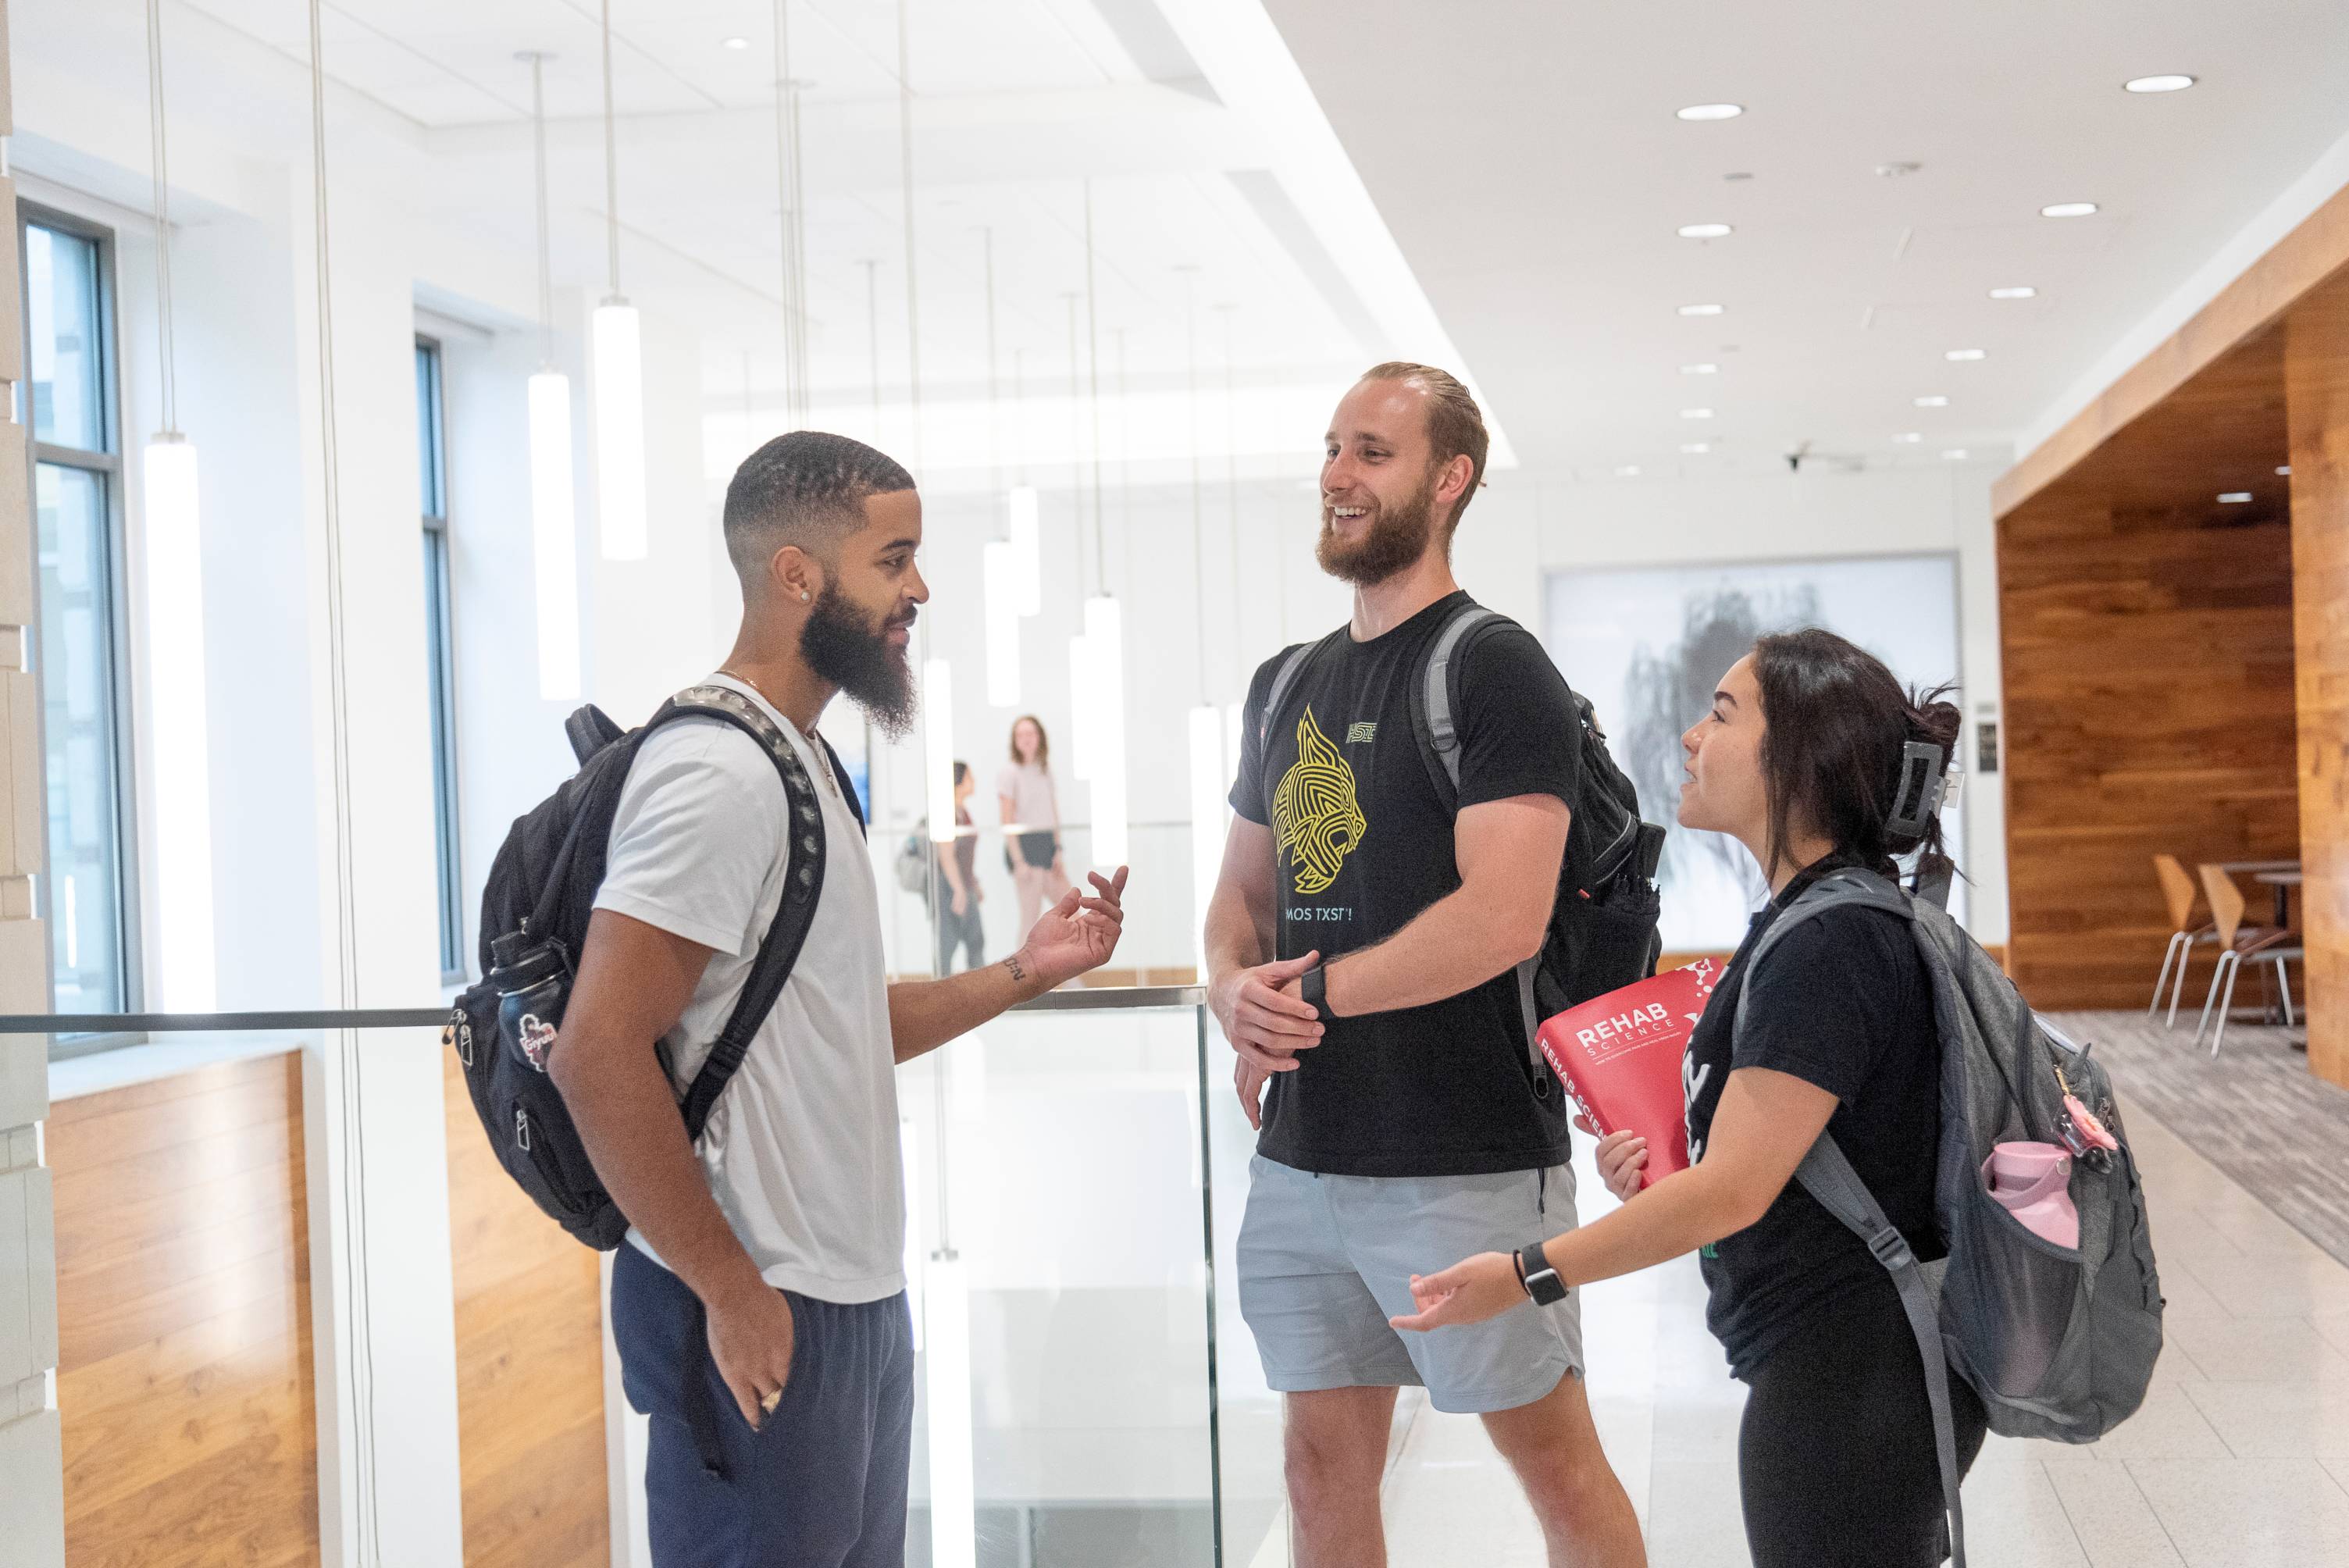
x: 1324, y: 1262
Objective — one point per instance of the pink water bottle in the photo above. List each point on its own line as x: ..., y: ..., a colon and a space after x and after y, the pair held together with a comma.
x: 2032, y: 1181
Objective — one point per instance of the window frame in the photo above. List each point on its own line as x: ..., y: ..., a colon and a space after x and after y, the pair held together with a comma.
x: 110, y: 465
x: 441, y: 630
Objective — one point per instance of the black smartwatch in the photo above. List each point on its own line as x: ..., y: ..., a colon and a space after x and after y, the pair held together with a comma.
x: 1541, y: 1280
x: 1314, y: 986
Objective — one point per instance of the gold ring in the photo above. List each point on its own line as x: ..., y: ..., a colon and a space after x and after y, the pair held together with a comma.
x: 769, y: 1403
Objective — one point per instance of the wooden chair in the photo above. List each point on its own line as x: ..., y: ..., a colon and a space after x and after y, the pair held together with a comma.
x: 2178, y: 890
x: 2238, y: 942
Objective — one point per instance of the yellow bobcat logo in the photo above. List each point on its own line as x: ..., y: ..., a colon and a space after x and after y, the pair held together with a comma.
x: 1320, y: 820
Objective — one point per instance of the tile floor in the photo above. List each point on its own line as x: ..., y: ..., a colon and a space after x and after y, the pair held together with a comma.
x: 2239, y: 1458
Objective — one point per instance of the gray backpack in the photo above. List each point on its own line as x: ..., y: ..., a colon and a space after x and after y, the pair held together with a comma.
x: 2059, y: 1344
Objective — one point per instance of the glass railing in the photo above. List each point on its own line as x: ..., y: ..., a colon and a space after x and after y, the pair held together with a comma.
x: 239, y: 1186
x: 1162, y: 917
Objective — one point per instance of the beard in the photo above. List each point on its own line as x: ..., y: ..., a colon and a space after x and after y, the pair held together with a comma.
x: 841, y: 646
x: 1395, y: 540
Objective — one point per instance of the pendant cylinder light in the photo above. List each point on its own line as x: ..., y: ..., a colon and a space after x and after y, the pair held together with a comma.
x: 618, y: 339
x: 554, y: 541
x: 1207, y: 818
x: 1026, y: 532
x: 175, y: 640
x: 999, y: 586
x: 620, y: 430
x: 938, y: 748
x: 183, y: 847
x: 1105, y: 645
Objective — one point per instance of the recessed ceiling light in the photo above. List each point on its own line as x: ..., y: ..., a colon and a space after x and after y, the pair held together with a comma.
x: 1955, y: 453
x: 738, y: 43
x: 1936, y: 401
x: 2067, y: 210
x: 1700, y: 369
x: 2285, y: 470
x: 1711, y: 111
x: 2157, y: 84
x: 1696, y: 448
x: 1909, y: 437
x: 1696, y: 413
x: 1964, y: 356
x: 1627, y: 471
x: 1703, y: 230
x: 2021, y: 291
x: 2234, y: 498
x: 1700, y: 310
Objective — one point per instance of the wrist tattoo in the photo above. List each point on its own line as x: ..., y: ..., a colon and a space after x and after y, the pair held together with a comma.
x: 1018, y: 969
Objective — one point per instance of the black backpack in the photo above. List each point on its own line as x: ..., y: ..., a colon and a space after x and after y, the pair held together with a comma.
x: 1603, y: 928
x: 535, y: 910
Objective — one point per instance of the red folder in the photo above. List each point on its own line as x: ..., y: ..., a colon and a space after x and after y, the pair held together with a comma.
x: 1620, y: 1057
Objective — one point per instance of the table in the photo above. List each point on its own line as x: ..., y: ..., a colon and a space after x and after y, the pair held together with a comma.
x: 2284, y: 879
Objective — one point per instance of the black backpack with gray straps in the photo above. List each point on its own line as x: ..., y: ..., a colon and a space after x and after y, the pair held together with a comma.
x: 534, y: 910
x: 1603, y: 928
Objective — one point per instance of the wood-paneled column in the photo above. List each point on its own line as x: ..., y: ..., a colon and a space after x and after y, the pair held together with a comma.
x: 2316, y: 383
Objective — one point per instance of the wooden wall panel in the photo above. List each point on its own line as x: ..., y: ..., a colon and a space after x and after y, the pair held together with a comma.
x: 529, y: 1365
x: 184, y: 1374
x: 2149, y: 663
x: 2317, y: 389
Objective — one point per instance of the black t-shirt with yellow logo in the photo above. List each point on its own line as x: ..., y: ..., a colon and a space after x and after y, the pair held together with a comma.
x: 1362, y: 844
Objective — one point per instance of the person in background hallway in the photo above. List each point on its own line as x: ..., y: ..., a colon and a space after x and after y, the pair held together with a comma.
x: 959, y: 926
x: 760, y: 1307
x: 1799, y: 760
x: 1031, y: 818
x: 1360, y: 945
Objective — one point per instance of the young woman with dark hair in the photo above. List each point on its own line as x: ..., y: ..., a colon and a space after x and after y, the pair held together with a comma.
x: 1799, y: 759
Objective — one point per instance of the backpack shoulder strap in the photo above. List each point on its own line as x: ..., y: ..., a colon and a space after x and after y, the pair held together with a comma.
x: 803, y: 826
x: 1827, y: 1174
x: 1849, y: 885
x: 1435, y: 694
x: 847, y: 784
x: 1285, y: 681
x: 1435, y: 722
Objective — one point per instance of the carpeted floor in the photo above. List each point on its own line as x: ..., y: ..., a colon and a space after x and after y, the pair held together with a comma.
x: 2256, y: 1112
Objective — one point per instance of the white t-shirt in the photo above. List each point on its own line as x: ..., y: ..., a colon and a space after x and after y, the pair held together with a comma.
x: 800, y: 1150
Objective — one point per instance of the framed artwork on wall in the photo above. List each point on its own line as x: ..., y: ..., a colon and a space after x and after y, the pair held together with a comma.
x: 1648, y: 645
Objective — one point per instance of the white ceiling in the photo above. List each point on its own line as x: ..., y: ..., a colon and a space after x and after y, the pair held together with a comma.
x: 1526, y: 157
x: 1021, y: 106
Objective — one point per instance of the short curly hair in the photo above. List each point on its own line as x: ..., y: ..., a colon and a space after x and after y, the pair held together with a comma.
x: 807, y: 488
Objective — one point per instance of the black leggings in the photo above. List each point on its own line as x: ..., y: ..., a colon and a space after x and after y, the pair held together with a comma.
x: 1835, y: 1458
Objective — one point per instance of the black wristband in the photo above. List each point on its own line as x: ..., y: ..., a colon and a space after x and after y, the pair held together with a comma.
x: 1313, y: 985
x: 1540, y: 1279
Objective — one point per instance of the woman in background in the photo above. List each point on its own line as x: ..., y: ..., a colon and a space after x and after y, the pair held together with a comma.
x: 1799, y: 759
x: 1032, y: 819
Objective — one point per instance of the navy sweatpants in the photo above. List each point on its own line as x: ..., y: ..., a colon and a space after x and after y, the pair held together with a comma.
x: 821, y: 1484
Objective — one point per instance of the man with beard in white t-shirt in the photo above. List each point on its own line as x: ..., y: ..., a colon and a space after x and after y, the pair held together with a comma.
x: 760, y: 1307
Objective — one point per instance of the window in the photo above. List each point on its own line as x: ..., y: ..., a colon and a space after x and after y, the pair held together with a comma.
x: 432, y: 453
x: 77, y: 652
